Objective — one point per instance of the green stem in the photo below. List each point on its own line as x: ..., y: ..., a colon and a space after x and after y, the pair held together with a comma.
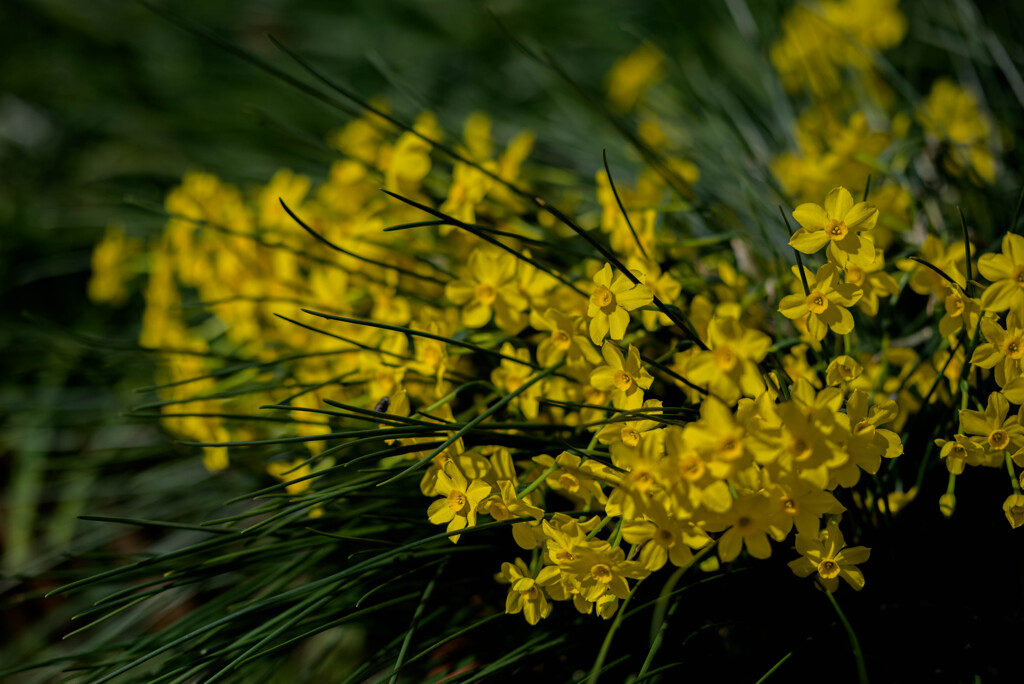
x: 1013, y: 474
x: 595, y: 671
x: 858, y: 655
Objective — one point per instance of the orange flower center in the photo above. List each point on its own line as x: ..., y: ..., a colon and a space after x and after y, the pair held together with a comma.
x: 725, y: 359
x: 602, y: 297
x: 855, y: 274
x: 836, y: 230
x: 485, y: 294
x: 998, y: 439
x: 692, y: 468
x: 730, y: 448
x: 457, y: 501
x: 1013, y: 348
x: 561, y: 339
x: 602, y: 573
x: 630, y: 436
x: 828, y: 568
x: 817, y: 303
x: 622, y: 381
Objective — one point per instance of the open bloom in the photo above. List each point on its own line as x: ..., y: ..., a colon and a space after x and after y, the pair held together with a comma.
x: 826, y: 304
x: 839, y: 225
x: 524, y: 594
x: 458, y: 508
x: 611, y: 302
x: 828, y: 556
x: 1006, y: 271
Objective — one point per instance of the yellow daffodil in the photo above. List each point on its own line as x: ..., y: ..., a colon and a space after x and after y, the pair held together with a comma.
x: 1006, y: 271
x: 623, y: 376
x: 839, y: 224
x: 524, y: 594
x: 458, y: 508
x: 827, y: 304
x: 610, y: 304
x: 830, y: 558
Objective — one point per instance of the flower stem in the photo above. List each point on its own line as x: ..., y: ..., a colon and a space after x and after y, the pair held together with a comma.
x: 858, y: 655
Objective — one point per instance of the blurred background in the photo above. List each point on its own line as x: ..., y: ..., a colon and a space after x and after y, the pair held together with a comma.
x: 105, y: 104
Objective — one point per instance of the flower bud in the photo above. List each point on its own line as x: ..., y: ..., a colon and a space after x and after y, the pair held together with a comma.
x: 947, y: 504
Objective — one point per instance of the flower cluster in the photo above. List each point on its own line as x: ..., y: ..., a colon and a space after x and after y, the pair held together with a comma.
x: 619, y: 409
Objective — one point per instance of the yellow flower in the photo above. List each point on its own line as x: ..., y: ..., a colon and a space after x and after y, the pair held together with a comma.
x: 1006, y: 271
x: 951, y: 114
x: 993, y: 430
x: 1013, y: 507
x: 826, y: 304
x: 958, y: 452
x: 610, y: 303
x: 510, y: 376
x: 829, y: 557
x: 950, y: 259
x: 839, y: 225
x: 111, y: 267
x: 746, y: 523
x: 872, y: 280
x: 458, y: 508
x: 623, y: 376
x: 842, y: 369
x: 490, y: 289
x: 729, y: 368
x: 1003, y: 351
x: 524, y: 594
x: 631, y: 76
x: 566, y: 340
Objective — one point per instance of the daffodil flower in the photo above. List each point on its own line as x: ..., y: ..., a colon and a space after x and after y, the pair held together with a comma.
x: 610, y: 304
x: 830, y: 559
x: 839, y: 225
x: 827, y: 304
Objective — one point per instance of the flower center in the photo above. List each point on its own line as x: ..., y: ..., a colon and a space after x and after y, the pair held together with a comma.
x: 630, y: 436
x: 730, y: 448
x: 836, y: 230
x: 789, y: 506
x: 602, y: 573
x: 1013, y: 348
x: 664, y: 537
x: 565, y: 556
x: 744, y: 523
x: 725, y: 359
x: 641, y: 480
x: 998, y: 439
x: 855, y: 275
x: 485, y: 293
x: 456, y: 501
x: 846, y: 372
x: 958, y: 451
x: 862, y: 427
x: 954, y: 305
x: 531, y: 593
x: 561, y: 339
x: 1018, y: 275
x: 817, y: 303
x: 800, y: 448
x: 828, y: 568
x: 432, y: 356
x: 622, y: 380
x: 602, y: 297
x: 692, y: 468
